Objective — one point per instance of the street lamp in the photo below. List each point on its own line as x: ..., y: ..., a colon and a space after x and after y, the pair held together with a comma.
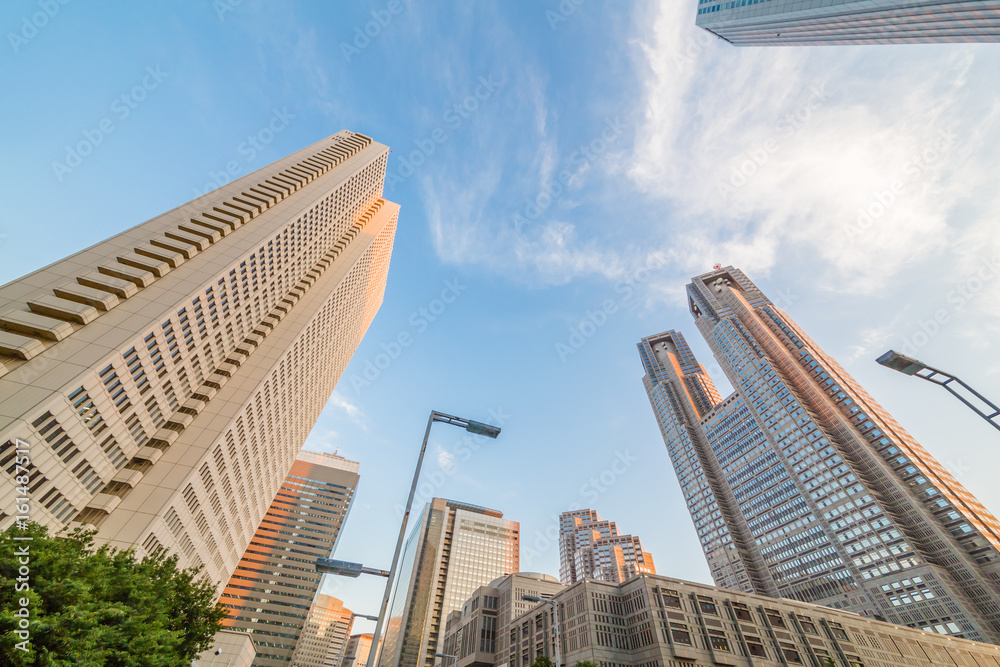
x: 477, y: 428
x: 346, y: 569
x: 445, y: 655
x: 555, y: 610
x: 350, y: 624
x: 910, y: 366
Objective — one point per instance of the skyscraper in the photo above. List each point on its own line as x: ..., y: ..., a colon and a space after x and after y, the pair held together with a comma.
x: 590, y: 547
x: 272, y: 593
x: 453, y: 549
x: 164, y: 380
x: 323, y: 637
x: 817, y: 22
x: 801, y: 486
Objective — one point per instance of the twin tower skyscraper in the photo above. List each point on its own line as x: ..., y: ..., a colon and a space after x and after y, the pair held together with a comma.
x: 801, y: 486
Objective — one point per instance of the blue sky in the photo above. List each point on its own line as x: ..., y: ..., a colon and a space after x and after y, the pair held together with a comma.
x: 613, y: 152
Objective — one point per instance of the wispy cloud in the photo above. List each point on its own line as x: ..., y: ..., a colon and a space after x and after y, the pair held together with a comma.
x: 860, y: 159
x: 338, y: 401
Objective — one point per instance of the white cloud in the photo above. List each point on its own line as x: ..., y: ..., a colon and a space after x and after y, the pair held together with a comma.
x: 780, y: 151
x: 353, y: 411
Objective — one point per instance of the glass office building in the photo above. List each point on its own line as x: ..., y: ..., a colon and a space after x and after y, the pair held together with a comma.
x: 801, y: 486
x: 819, y: 22
x: 454, y: 549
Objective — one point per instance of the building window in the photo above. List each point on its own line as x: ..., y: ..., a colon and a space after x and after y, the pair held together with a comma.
x: 680, y: 633
x: 809, y: 628
x: 719, y: 643
x: 756, y: 650
x: 791, y: 655
x: 707, y: 606
x: 839, y: 634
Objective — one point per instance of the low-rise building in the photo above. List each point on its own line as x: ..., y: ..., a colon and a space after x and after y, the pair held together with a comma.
x: 472, y: 632
x: 656, y: 621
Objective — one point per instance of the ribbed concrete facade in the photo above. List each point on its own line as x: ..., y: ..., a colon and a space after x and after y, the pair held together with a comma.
x: 800, y: 485
x: 655, y: 621
x: 272, y: 593
x: 472, y: 633
x: 590, y: 547
x: 165, y: 379
x: 323, y: 635
x: 818, y: 22
x: 453, y: 549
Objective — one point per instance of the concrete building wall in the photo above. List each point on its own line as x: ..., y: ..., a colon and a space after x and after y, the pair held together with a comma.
x: 655, y: 620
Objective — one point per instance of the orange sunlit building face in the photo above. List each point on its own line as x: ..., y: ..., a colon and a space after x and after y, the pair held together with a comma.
x: 270, y: 593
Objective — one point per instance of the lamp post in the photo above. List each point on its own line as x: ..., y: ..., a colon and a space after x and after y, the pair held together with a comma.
x: 555, y: 611
x: 910, y: 366
x: 469, y: 425
x: 350, y: 624
x: 445, y: 655
x: 346, y: 569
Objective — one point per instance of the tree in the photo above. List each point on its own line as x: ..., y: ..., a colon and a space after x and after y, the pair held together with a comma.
x: 542, y: 661
x: 585, y: 663
x: 100, y: 606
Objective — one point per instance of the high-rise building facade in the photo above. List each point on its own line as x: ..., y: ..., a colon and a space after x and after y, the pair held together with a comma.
x: 163, y: 381
x: 453, y: 549
x: 590, y: 547
x: 358, y: 649
x: 323, y: 636
x: 655, y: 620
x: 472, y: 633
x: 818, y: 22
x: 272, y: 592
x: 801, y: 486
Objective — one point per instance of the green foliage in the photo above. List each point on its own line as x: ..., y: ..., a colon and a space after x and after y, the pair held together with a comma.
x: 102, y: 607
x: 586, y: 663
x: 542, y: 661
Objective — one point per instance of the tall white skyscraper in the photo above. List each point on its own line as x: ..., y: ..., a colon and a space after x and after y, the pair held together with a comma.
x: 161, y: 382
